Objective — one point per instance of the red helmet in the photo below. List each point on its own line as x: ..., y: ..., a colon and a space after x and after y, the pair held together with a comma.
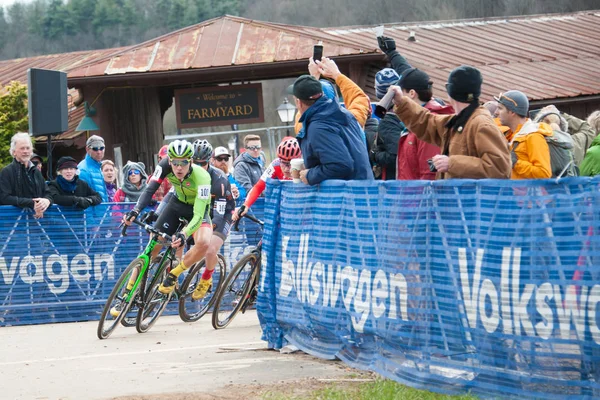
x: 162, y: 153
x: 288, y: 149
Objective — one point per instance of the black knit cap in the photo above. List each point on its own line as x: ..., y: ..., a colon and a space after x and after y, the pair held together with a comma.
x: 306, y: 87
x: 66, y: 162
x: 414, y: 79
x: 464, y: 84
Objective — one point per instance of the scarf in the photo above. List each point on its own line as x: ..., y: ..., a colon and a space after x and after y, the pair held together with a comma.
x: 132, y: 192
x: 67, y: 186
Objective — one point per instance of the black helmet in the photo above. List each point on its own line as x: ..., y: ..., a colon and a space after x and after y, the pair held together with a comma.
x: 202, y: 150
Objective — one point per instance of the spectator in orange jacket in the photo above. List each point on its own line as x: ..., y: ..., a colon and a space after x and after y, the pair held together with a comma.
x: 355, y: 99
x: 529, y: 150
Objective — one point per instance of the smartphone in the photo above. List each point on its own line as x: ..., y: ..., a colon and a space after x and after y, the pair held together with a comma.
x: 432, y: 167
x: 318, y: 52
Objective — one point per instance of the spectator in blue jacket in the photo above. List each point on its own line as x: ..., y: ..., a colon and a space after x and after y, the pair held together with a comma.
x: 331, y: 141
x: 90, y: 168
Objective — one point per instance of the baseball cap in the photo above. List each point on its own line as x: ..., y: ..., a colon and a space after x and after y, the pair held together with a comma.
x: 306, y: 87
x: 221, y: 151
x: 514, y: 101
x: 94, y: 141
x: 414, y: 79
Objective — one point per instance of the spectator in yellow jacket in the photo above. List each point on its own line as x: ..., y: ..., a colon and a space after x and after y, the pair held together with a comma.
x: 355, y: 99
x: 529, y: 150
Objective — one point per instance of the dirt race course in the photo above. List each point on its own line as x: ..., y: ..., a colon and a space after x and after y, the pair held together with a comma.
x: 173, y: 361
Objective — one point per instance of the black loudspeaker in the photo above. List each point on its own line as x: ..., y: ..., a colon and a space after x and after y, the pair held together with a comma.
x: 48, y: 111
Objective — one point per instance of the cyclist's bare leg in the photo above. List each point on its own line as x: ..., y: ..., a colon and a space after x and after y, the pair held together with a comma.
x: 211, y: 254
x: 197, y: 251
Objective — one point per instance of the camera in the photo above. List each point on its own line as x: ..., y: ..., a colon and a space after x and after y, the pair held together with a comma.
x: 432, y: 167
x: 385, y: 104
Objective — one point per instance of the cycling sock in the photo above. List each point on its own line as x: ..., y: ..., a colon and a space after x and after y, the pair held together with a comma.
x: 179, y: 269
x: 207, y: 274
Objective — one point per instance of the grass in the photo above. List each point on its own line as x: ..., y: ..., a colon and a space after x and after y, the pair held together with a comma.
x: 379, y: 389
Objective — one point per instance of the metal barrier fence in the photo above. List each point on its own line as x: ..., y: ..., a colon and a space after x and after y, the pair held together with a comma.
x: 61, y: 268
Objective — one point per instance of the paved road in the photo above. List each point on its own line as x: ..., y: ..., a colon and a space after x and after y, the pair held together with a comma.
x: 67, y: 361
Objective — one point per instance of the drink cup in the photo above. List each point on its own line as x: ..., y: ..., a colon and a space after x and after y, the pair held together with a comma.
x: 297, y: 165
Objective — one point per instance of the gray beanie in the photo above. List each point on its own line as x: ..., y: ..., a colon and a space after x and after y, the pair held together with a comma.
x: 514, y: 101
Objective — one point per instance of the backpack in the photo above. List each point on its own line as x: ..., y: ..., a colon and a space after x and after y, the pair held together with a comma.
x: 561, y: 155
x: 562, y: 162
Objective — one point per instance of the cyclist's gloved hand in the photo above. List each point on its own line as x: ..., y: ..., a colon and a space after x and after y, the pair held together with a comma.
x: 178, y: 240
x: 386, y: 44
x: 240, y: 212
x: 130, y: 216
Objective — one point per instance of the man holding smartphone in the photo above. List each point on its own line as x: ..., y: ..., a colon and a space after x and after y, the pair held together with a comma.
x: 331, y: 142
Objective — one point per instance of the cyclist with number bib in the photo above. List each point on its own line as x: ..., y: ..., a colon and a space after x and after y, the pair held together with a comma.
x: 280, y: 169
x: 221, y: 211
x: 191, y: 201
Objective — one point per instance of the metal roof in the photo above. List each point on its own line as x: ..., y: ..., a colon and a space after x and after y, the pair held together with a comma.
x: 546, y: 56
x: 16, y: 70
x: 218, y: 42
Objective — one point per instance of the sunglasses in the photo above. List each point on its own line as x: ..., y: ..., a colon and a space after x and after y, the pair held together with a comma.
x: 180, y: 163
x: 502, y: 96
x: 36, y: 163
x: 201, y: 163
x: 98, y: 148
x: 286, y: 164
x: 222, y: 159
x: 253, y: 148
x: 134, y: 172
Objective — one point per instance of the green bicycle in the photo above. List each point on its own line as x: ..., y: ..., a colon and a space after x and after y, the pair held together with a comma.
x: 144, y: 294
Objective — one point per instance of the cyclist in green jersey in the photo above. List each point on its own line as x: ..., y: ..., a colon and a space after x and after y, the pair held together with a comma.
x: 192, y: 186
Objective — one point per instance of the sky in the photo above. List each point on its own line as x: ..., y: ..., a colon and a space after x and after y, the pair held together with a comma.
x: 5, y: 3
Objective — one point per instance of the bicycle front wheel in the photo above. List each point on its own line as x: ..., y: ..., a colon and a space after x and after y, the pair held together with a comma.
x: 235, y: 291
x: 116, y: 306
x: 154, y: 302
x: 130, y: 319
x: 191, y: 310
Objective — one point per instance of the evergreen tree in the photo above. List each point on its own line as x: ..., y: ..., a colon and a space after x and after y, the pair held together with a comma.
x: 13, y: 117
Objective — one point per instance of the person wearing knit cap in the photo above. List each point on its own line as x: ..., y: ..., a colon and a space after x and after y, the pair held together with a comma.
x: 383, y: 80
x: 135, y: 183
x: 68, y: 190
x: 471, y: 144
x: 529, y: 151
x: 90, y: 168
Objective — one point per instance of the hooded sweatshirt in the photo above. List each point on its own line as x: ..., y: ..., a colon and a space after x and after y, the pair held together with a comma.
x: 247, y: 170
x: 130, y: 192
x: 590, y: 166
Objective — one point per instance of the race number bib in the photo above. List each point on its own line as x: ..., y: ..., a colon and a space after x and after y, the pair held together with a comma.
x: 204, y: 192
x: 220, y: 206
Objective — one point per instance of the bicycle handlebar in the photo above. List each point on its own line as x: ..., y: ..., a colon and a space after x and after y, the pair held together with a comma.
x: 250, y: 217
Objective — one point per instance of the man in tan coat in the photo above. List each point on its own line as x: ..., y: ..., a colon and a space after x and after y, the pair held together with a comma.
x: 472, y: 145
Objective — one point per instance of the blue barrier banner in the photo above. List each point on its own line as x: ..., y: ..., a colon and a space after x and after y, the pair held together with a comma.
x: 61, y: 268
x: 489, y: 287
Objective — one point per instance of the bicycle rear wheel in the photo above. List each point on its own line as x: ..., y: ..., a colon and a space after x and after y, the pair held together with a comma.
x: 117, y: 299
x: 191, y: 310
x: 235, y: 291
x: 154, y: 302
